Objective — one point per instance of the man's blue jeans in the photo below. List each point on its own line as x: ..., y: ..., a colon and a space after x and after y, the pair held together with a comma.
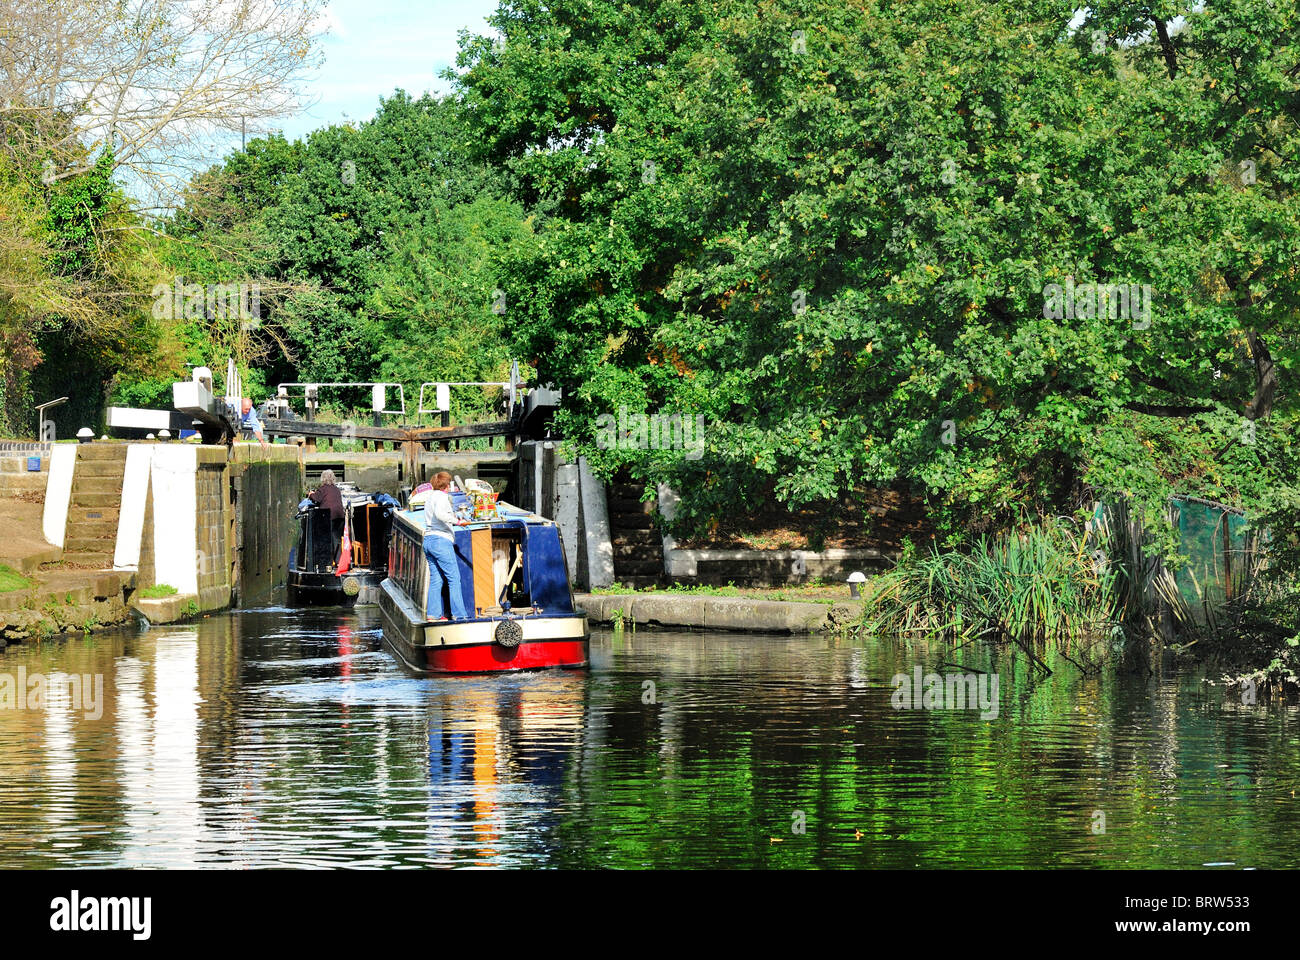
x: 443, y: 568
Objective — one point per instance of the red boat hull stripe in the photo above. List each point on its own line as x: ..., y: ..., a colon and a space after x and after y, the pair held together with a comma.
x: 529, y: 655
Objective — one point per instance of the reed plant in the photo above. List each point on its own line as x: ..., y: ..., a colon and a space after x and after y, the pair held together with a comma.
x: 1032, y: 586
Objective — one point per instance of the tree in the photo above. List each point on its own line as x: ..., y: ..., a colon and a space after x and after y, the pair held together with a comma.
x: 434, y: 300
x: 836, y: 232
x: 148, y: 81
x: 359, y: 191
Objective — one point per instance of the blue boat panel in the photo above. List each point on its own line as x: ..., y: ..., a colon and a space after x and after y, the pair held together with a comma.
x: 465, y: 561
x: 548, y: 579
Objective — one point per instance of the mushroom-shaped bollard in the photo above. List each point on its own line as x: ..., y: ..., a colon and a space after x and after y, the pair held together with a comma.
x: 856, y: 579
x: 149, y: 436
x: 164, y: 434
x: 85, y: 435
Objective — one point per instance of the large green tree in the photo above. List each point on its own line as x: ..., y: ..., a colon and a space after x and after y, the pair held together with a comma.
x: 836, y: 231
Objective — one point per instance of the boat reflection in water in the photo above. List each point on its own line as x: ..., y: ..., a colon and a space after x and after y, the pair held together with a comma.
x: 496, y: 748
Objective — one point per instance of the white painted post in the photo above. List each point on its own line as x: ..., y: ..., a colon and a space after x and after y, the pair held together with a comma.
x: 676, y: 563
x: 175, y: 516
x: 130, y: 519
x: 58, y: 492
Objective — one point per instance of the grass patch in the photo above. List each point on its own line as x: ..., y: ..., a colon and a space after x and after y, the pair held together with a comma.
x: 813, y: 591
x: 158, y: 590
x: 11, y: 580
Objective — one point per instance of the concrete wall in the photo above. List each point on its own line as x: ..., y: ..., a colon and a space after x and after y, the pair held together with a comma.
x: 372, y: 472
x: 385, y: 471
x: 175, y: 540
x: 489, y: 465
x: 768, y: 568
x: 575, y: 500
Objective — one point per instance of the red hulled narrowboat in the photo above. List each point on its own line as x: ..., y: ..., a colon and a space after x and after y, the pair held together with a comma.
x: 515, y: 584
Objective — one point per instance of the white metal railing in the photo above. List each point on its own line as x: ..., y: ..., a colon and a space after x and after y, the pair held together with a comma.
x: 46, y: 433
x: 442, y: 391
x: 379, y: 400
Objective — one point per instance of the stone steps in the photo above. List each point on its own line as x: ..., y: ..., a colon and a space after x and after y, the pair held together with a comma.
x: 94, y: 511
x: 97, y: 561
x: 99, y: 468
x: 626, y: 491
x: 625, y: 506
x: 645, y: 537
x: 113, y: 452
x: 638, y: 551
x: 104, y: 486
x: 101, y: 528
x: 31, y: 563
x: 95, y: 505
x: 85, y: 542
x: 640, y: 582
x: 631, y: 521
x: 638, y: 568
x: 638, y: 547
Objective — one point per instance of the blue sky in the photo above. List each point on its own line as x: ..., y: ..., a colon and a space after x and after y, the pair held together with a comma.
x: 375, y: 46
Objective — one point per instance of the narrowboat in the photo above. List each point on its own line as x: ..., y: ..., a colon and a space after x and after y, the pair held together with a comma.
x: 515, y: 584
x: 319, y: 570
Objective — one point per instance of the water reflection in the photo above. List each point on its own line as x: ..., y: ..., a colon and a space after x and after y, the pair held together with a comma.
x: 292, y: 738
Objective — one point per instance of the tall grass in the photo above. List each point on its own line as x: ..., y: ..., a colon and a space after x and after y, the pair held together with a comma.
x: 1027, y: 587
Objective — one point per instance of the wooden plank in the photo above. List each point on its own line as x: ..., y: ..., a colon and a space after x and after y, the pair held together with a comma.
x: 310, y: 428
x: 492, y: 428
x: 363, y: 432
x: 484, y: 581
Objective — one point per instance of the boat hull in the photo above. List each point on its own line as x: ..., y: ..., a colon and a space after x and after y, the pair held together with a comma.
x: 470, y: 646
x: 355, y: 588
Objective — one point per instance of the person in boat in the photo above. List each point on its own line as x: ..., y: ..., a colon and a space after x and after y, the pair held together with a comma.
x: 248, y: 420
x: 440, y: 550
x: 327, y: 495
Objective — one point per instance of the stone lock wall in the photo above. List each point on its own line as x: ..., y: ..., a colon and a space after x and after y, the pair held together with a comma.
x: 213, y: 532
x: 267, y: 486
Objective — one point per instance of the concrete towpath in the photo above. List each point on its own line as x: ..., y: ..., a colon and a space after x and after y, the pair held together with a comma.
x: 708, y: 612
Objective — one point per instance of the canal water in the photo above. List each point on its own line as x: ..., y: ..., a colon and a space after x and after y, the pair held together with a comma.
x: 284, y: 738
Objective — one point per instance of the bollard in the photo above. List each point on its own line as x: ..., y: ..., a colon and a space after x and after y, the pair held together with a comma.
x: 856, y: 579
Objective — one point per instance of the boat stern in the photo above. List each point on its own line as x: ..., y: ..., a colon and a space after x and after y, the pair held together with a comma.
x: 484, y: 644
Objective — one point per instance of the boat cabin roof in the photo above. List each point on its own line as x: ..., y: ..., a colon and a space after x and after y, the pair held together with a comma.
x: 510, y: 516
